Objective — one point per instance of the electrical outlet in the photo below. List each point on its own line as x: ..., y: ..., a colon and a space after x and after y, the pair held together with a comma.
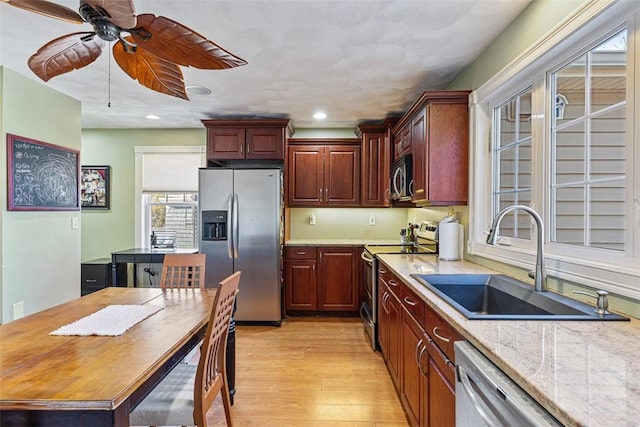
x: 372, y: 219
x: 74, y: 222
x: 312, y: 219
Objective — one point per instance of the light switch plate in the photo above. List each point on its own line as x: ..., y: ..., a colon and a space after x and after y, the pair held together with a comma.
x: 74, y: 223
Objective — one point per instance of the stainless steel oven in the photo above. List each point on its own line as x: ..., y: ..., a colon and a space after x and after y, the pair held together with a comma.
x: 427, y: 244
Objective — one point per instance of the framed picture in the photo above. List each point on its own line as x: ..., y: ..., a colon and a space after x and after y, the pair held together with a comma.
x: 41, y: 176
x: 95, y: 187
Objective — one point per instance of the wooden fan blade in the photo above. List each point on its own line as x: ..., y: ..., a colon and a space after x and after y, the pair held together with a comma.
x: 47, y: 8
x: 150, y: 70
x: 65, y: 54
x: 120, y: 12
x: 176, y: 43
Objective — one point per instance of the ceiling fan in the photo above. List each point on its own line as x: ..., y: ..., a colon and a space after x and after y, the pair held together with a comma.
x: 149, y: 48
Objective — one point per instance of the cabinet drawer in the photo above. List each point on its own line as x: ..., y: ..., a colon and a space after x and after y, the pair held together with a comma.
x: 412, y: 303
x: 140, y: 258
x: 445, y: 366
x: 442, y: 334
x: 95, y: 275
x: 394, y: 284
x: 301, y: 252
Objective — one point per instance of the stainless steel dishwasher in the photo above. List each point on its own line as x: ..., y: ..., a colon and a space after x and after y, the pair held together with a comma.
x: 486, y: 396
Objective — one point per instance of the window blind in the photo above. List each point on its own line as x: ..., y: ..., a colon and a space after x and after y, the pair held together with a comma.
x: 167, y: 172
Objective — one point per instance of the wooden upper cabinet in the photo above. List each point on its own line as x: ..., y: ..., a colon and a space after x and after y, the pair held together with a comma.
x: 323, y: 175
x: 225, y: 143
x: 305, y: 175
x: 439, y: 125
x: 264, y: 143
x: 376, y: 161
x: 402, y: 141
x: 418, y: 151
x: 342, y: 175
x: 260, y: 139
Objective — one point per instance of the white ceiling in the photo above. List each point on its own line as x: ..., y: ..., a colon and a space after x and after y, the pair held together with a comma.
x: 355, y: 59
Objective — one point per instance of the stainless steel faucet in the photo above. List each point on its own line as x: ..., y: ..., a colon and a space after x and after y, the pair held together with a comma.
x: 540, y: 275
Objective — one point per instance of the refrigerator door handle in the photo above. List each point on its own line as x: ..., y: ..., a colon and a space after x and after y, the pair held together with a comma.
x: 236, y: 236
x: 230, y: 238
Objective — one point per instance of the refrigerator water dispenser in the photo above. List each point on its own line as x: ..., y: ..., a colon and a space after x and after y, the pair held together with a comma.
x: 214, y: 225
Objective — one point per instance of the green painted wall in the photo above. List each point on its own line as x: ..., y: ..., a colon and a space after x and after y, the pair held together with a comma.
x: 40, y: 250
x: 535, y: 21
x: 104, y: 232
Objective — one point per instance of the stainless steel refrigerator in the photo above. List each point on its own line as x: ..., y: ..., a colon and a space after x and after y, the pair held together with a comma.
x: 241, y: 230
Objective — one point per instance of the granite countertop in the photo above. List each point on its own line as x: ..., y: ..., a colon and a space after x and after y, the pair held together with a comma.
x: 341, y: 242
x: 585, y: 373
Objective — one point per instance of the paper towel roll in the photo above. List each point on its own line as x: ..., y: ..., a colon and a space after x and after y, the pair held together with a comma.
x: 450, y: 241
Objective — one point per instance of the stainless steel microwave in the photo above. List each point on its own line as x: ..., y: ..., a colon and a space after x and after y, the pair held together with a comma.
x: 401, y: 178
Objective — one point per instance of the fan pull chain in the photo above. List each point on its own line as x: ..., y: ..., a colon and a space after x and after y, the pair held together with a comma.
x: 109, y: 79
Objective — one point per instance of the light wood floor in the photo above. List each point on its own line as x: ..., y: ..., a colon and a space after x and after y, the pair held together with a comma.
x: 310, y: 372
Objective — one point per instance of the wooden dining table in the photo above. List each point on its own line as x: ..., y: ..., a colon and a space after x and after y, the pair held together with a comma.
x: 48, y: 380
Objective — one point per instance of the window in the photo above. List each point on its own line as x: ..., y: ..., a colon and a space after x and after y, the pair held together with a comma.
x: 512, y: 163
x: 588, y: 148
x: 557, y: 130
x: 167, y: 193
x: 176, y: 212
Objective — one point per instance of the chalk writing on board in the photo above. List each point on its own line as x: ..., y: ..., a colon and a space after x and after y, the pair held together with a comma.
x: 41, y: 176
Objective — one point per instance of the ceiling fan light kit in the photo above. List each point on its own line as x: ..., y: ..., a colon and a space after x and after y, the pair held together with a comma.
x: 151, y: 53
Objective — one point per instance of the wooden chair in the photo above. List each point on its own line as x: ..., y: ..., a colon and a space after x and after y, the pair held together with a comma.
x: 187, y: 392
x: 183, y: 271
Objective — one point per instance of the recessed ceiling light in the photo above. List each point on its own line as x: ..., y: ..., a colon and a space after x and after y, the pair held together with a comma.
x: 152, y: 117
x: 198, y: 90
x: 319, y: 115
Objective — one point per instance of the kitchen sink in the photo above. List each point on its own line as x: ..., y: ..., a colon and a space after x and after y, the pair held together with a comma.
x: 498, y: 297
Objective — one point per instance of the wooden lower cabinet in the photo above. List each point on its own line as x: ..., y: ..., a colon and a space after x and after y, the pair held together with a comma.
x: 389, y: 322
x: 417, y: 346
x: 413, y: 389
x: 301, y: 285
x: 322, y: 278
x: 338, y: 281
x: 439, y: 408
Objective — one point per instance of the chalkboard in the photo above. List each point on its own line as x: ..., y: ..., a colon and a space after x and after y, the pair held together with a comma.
x: 41, y: 176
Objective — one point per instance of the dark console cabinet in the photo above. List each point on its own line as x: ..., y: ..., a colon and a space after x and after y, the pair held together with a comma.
x: 96, y: 275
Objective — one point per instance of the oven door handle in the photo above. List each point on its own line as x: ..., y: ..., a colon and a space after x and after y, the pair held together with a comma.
x: 366, y: 257
x: 365, y: 315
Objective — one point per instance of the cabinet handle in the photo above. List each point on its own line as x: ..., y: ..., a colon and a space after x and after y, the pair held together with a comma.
x: 301, y: 253
x: 415, y: 352
x: 241, y: 148
x: 435, y: 332
x: 91, y: 280
x: 248, y: 147
x: 380, y: 270
x: 424, y: 348
x: 408, y: 301
x: 393, y: 282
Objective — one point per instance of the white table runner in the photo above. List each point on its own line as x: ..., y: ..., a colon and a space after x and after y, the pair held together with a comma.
x: 112, y: 320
